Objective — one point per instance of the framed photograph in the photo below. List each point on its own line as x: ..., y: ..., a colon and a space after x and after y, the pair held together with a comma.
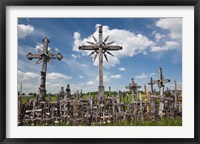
x: 99, y: 71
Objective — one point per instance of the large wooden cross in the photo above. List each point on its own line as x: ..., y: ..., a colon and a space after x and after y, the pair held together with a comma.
x: 100, y: 48
x: 160, y: 83
x: 43, y: 57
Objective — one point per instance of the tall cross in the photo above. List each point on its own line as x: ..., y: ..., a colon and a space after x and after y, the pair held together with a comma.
x: 109, y: 91
x: 19, y: 99
x: 133, y: 88
x: 160, y: 83
x: 152, y: 83
x: 43, y: 57
x: 100, y: 48
x: 175, y: 94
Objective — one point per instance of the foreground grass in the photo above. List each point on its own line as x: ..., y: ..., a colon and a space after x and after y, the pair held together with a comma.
x: 164, y: 122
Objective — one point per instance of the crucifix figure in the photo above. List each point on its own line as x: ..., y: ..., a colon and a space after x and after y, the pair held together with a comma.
x: 100, y: 48
x: 133, y: 88
x: 43, y: 57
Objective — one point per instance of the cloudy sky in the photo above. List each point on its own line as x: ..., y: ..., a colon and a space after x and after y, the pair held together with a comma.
x: 148, y: 43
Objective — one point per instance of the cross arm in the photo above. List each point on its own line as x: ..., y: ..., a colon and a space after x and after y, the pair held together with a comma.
x: 166, y: 80
x: 31, y: 56
x: 56, y: 56
x: 113, y: 47
x: 163, y: 80
x: 153, y: 82
x: 154, y: 96
x: 88, y: 47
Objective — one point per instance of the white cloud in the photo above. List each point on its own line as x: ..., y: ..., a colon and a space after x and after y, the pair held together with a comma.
x: 122, y: 69
x: 90, y: 83
x: 56, y: 49
x: 174, y: 25
x: 84, y: 65
x: 27, y: 76
x: 31, y: 81
x: 153, y: 74
x: 169, y: 45
x: 141, y: 76
x: 39, y: 47
x: 159, y: 36
x: 80, y: 76
x: 115, y: 76
x: 145, y: 75
x: 55, y: 76
x: 132, y: 44
x: 76, y: 66
x: 75, y: 56
x: 112, y: 61
x: 77, y: 41
x: 24, y: 30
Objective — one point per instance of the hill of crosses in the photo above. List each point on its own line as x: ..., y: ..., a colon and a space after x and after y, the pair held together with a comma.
x: 151, y: 104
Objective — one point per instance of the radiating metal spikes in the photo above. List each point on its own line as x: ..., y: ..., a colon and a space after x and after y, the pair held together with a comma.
x: 95, y: 57
x: 91, y: 53
x: 109, y: 43
x: 95, y: 39
x: 105, y: 57
x: 106, y: 38
x: 109, y: 53
x: 89, y: 42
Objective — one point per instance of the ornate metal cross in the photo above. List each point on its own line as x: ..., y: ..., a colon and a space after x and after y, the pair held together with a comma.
x: 43, y: 57
x: 100, y: 48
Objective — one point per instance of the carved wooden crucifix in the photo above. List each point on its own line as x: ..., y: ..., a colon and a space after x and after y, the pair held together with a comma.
x: 43, y: 57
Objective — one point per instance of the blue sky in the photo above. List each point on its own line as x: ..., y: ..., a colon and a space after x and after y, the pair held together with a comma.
x: 148, y: 43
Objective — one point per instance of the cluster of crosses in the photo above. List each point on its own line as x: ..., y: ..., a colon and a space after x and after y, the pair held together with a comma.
x: 74, y: 109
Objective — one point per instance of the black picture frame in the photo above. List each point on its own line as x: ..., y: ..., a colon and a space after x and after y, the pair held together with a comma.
x: 5, y: 3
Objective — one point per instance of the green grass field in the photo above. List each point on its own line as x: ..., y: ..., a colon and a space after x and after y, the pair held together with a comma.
x: 164, y: 122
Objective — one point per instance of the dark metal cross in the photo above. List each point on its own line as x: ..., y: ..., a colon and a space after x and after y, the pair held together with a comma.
x: 43, y: 57
x: 100, y: 48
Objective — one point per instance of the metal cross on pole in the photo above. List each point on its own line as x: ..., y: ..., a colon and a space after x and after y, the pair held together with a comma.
x: 100, y: 48
x: 43, y: 57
